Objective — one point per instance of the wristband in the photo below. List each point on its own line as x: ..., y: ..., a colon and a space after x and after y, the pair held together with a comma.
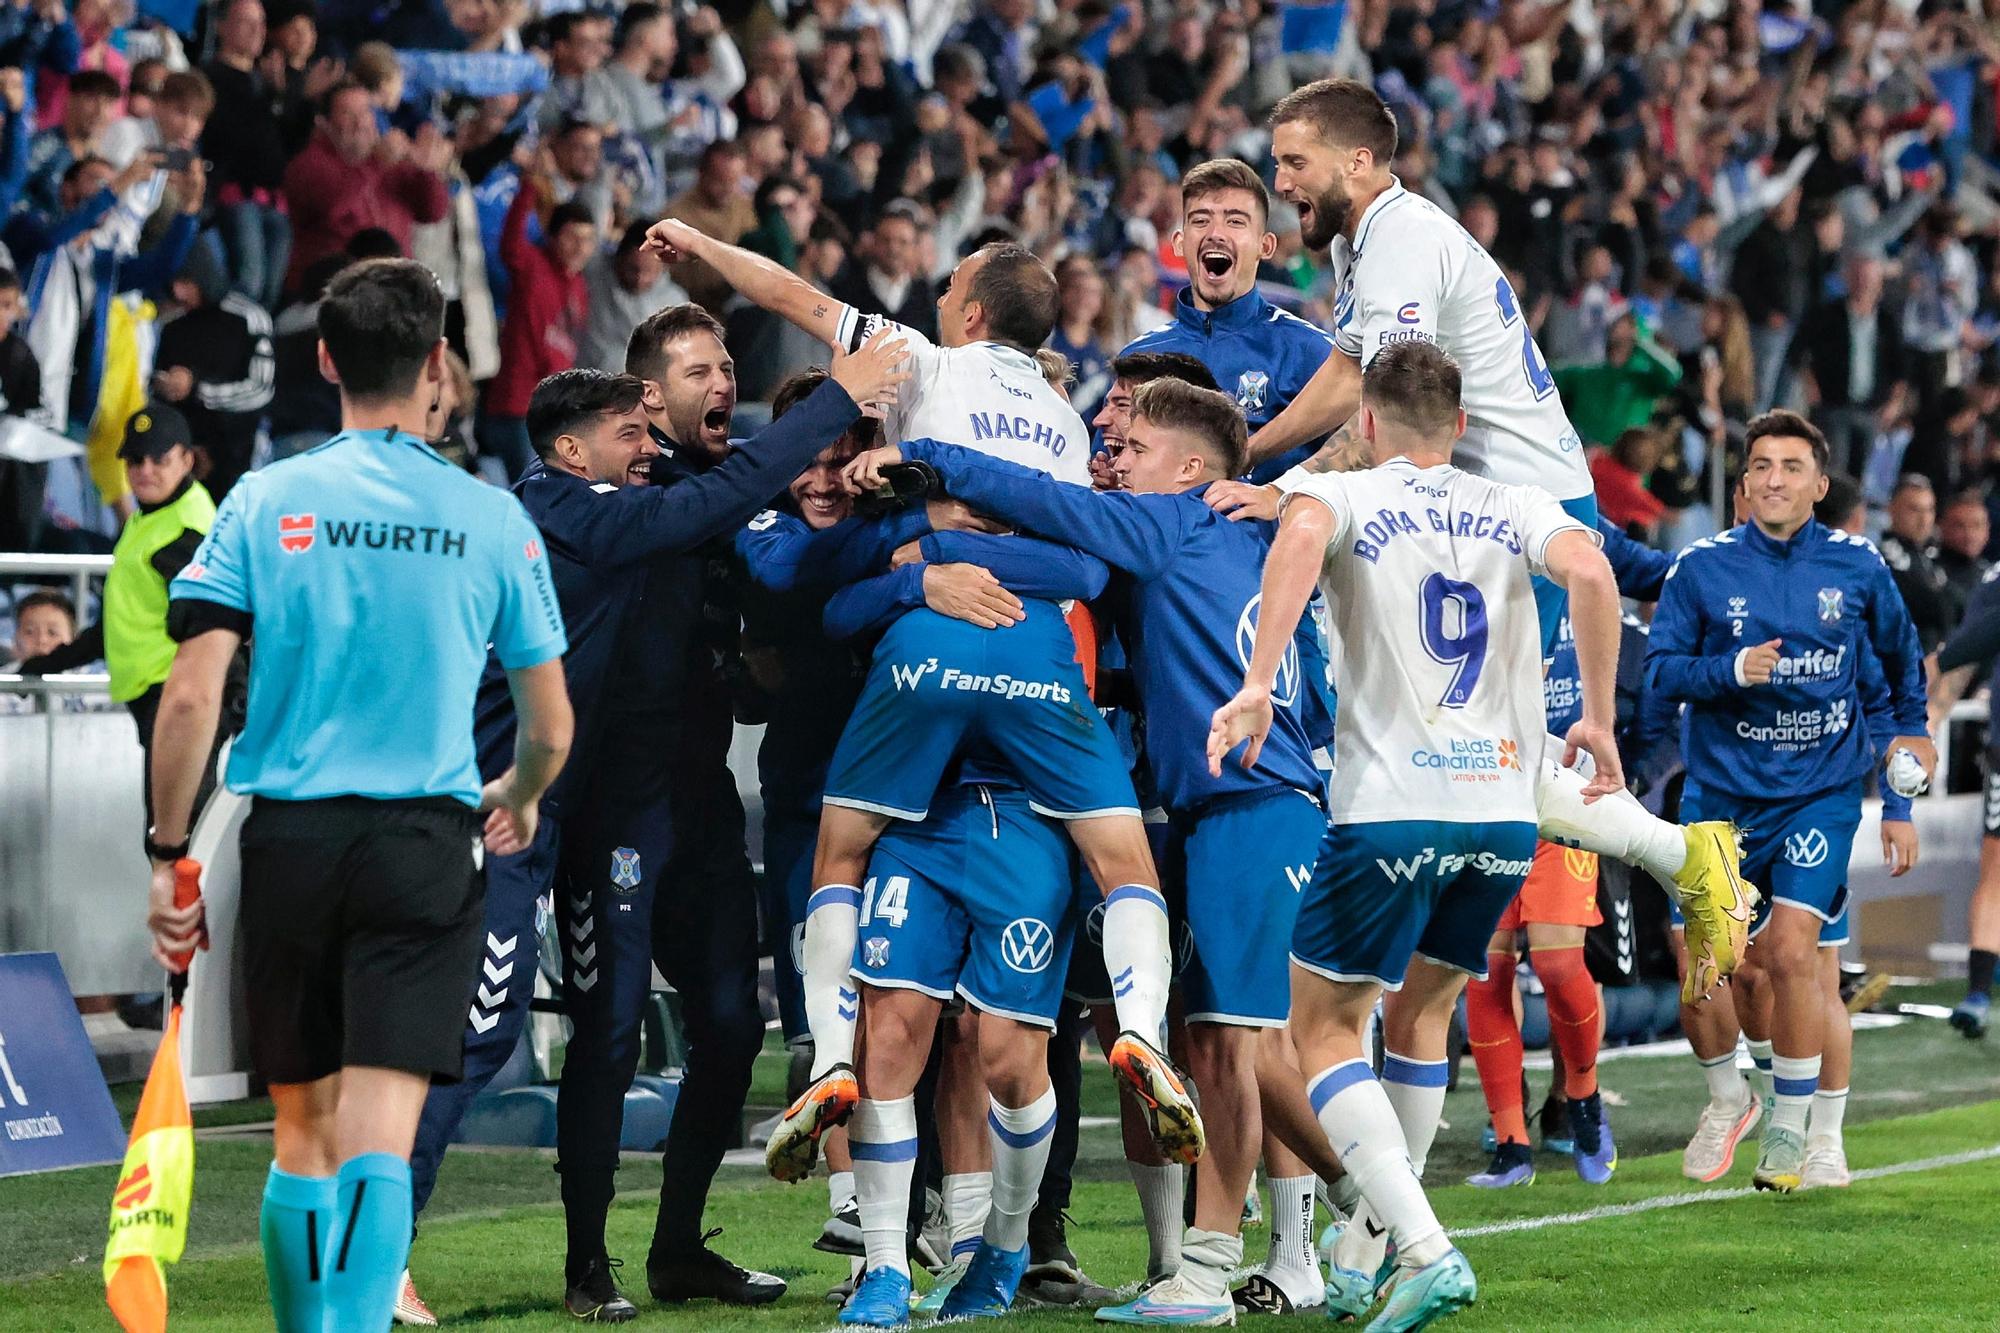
x: 159, y: 851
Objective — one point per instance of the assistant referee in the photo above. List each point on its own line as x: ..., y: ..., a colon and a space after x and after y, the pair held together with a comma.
x: 374, y: 577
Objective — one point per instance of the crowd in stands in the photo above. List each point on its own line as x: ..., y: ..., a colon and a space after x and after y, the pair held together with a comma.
x: 1707, y: 208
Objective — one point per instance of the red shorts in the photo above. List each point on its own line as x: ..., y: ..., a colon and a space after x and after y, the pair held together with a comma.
x: 1561, y: 891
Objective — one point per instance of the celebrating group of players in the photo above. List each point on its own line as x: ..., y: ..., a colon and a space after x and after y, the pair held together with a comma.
x: 1089, y: 758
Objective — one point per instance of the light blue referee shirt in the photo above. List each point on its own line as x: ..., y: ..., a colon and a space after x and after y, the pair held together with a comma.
x: 374, y: 577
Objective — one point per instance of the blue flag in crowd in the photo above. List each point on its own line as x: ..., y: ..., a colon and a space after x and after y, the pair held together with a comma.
x: 1314, y: 25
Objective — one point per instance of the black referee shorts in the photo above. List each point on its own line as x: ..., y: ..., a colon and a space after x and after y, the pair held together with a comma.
x: 361, y: 930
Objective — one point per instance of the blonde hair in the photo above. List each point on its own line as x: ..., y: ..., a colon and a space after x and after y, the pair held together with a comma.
x: 1055, y: 368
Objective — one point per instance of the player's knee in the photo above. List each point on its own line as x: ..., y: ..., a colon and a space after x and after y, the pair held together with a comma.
x: 1016, y: 1068
x: 1222, y: 1055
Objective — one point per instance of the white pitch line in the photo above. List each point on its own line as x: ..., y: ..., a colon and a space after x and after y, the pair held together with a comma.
x: 1706, y: 1196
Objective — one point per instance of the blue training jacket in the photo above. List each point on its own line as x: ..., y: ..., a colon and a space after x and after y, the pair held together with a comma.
x: 1824, y: 595
x: 1188, y: 619
x: 614, y: 549
x: 1258, y: 353
x: 1639, y: 570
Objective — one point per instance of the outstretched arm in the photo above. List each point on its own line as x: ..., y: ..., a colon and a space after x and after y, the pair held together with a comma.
x: 760, y: 281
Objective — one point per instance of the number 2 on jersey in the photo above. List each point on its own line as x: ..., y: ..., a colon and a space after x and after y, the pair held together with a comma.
x: 1540, y: 382
x: 1452, y: 624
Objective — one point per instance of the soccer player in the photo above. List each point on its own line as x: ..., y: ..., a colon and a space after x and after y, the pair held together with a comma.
x: 1556, y: 907
x: 1435, y: 639
x: 983, y: 387
x: 1976, y: 640
x: 1265, y: 355
x: 1761, y: 632
x: 1247, y: 839
x: 375, y: 576
x: 607, y: 531
x: 1424, y: 279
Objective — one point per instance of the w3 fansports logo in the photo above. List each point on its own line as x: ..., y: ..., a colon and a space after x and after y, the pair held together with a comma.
x: 295, y: 532
x: 1806, y: 850
x: 1027, y: 945
x: 909, y: 677
x: 1285, y: 690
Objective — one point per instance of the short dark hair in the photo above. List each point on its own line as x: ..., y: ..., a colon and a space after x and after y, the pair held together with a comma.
x: 340, y: 90
x: 634, y: 237
x: 1842, y: 498
x: 189, y: 89
x: 1343, y: 112
x: 374, y: 243
x: 93, y: 83
x: 10, y: 281
x: 1912, y: 481
x: 571, y: 124
x: 568, y: 215
x: 572, y: 398
x: 633, y: 19
x: 773, y: 183
x: 563, y: 26
x: 379, y: 321
x: 1785, y: 424
x: 1416, y: 385
x: 1209, y: 415
x: 1971, y: 495
x: 646, y: 353
x: 46, y: 597
x: 81, y: 165
x: 1137, y: 368
x: 1017, y: 292
x: 1224, y: 173
x: 795, y: 388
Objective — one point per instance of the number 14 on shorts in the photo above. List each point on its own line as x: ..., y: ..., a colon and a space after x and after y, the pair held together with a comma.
x: 892, y: 904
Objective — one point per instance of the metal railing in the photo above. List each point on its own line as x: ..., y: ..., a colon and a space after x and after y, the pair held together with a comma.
x: 79, y: 569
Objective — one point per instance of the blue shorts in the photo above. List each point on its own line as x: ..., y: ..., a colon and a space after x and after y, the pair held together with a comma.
x: 1089, y: 981
x: 1244, y: 864
x: 939, y: 686
x: 1551, y: 601
x: 976, y: 900
x: 1795, y: 851
x: 1381, y: 893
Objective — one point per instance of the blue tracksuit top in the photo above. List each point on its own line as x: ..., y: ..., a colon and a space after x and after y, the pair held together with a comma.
x: 1824, y: 595
x: 614, y: 552
x: 1193, y: 585
x: 1639, y: 570
x: 1258, y: 353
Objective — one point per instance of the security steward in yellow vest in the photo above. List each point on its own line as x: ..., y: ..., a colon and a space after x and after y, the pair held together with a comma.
x: 175, y: 513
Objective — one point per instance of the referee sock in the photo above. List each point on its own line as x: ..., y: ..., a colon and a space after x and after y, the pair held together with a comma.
x: 882, y: 1137
x: 1495, y: 1039
x: 1616, y: 826
x: 295, y: 1222
x: 1139, y: 958
x: 1020, y: 1155
x: 832, y: 923
x: 370, y: 1242
x: 1794, y: 1080
x: 1573, y: 1015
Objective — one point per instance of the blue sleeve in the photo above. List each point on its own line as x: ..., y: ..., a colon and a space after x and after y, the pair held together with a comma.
x: 1894, y: 640
x: 1977, y: 638
x: 636, y: 523
x: 63, y: 50
x: 1639, y: 569
x: 155, y: 268
x: 782, y: 553
x: 1025, y: 566
x: 1676, y: 668
x: 527, y: 626
x: 14, y: 159
x: 71, y: 225
x: 1136, y: 533
x: 220, y: 570
x: 873, y: 604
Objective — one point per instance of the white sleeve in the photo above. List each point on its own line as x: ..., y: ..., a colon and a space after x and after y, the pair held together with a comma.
x: 1329, y: 488
x: 1397, y: 294
x: 857, y: 328
x: 1539, y: 517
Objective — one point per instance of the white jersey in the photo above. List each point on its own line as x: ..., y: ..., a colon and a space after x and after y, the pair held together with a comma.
x: 1434, y: 641
x: 985, y: 396
x: 1412, y: 273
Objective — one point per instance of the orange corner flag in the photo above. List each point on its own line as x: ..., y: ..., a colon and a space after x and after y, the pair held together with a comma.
x: 149, y: 1209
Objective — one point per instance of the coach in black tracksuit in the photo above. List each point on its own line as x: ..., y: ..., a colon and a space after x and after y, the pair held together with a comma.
x: 629, y: 596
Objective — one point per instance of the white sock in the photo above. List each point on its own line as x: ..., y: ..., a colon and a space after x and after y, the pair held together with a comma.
x: 1208, y: 1258
x: 1416, y: 1089
x: 831, y: 1000
x: 1794, y: 1080
x: 1161, y: 1201
x: 839, y: 1190
x: 1725, y: 1082
x: 1829, y: 1108
x: 1292, y: 1224
x: 1139, y: 958
x: 1021, y: 1136
x: 883, y: 1138
x: 1362, y: 1126
x: 968, y: 1195
x: 1760, y: 1059
x: 1616, y: 826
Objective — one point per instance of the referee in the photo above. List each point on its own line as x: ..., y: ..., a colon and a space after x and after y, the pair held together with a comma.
x: 374, y: 576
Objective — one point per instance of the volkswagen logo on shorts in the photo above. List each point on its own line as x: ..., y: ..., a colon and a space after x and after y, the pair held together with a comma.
x: 1285, y: 690
x: 1027, y: 945
x: 1093, y: 921
x: 1806, y: 850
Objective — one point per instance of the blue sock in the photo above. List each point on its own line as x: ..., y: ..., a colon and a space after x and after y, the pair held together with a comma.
x: 370, y: 1241
x: 297, y: 1217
